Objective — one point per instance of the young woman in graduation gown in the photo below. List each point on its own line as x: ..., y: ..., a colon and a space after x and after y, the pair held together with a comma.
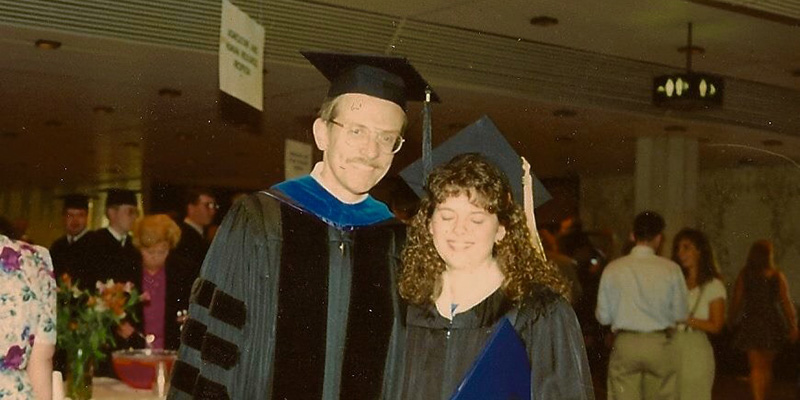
x: 468, y: 262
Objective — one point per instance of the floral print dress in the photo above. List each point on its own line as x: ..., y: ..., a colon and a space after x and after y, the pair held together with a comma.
x: 27, y: 312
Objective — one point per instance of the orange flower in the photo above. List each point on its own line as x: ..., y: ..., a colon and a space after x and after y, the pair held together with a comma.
x: 66, y: 279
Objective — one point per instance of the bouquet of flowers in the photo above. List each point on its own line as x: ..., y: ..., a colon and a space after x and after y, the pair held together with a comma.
x: 84, y: 326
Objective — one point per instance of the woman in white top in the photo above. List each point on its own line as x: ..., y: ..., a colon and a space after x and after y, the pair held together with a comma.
x: 691, y: 249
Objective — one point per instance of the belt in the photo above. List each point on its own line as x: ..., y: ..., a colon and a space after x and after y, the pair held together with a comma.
x: 666, y: 331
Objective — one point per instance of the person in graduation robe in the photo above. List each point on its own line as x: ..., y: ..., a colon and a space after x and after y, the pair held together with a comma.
x: 69, y: 251
x: 469, y: 262
x: 297, y: 297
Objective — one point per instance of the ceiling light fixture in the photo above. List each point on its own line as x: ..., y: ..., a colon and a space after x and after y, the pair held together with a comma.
x: 169, y: 92
x: 45, y: 44
x: 688, y: 90
x: 544, y: 21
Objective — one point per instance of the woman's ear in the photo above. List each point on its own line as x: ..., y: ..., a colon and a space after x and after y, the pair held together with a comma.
x: 321, y: 134
x: 501, y: 233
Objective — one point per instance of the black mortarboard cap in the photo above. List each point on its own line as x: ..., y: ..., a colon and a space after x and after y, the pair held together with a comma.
x: 481, y: 137
x: 387, y: 77
x: 118, y: 197
x: 78, y: 201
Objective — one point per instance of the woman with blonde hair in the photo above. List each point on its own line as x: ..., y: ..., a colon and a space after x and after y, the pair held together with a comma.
x: 163, y: 280
x: 764, y: 315
x: 468, y: 263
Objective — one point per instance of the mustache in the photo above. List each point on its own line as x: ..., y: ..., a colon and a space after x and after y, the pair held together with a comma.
x: 365, y: 161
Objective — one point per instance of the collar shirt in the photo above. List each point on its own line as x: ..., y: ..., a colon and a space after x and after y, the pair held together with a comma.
x: 121, y: 237
x: 641, y: 292
x: 71, y: 239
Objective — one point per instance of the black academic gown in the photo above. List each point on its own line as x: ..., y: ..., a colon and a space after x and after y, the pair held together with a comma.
x: 279, y: 287
x: 71, y: 259
x: 108, y: 259
x: 440, y: 352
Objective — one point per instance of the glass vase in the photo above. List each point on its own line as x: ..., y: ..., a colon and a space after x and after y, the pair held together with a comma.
x: 79, y: 375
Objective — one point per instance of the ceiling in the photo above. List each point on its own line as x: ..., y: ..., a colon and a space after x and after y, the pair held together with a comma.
x: 89, y: 113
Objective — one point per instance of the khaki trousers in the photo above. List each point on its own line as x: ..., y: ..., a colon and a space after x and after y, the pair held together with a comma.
x: 643, y: 366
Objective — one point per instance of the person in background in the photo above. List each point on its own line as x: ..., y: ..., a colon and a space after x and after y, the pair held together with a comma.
x: 110, y: 252
x: 565, y: 263
x: 28, y: 320
x: 763, y: 314
x: 643, y: 297
x: 201, y: 207
x: 468, y: 262
x: 692, y: 251
x: 69, y: 251
x: 165, y: 280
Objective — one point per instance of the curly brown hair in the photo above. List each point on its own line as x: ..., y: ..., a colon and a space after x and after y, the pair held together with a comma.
x: 523, y: 266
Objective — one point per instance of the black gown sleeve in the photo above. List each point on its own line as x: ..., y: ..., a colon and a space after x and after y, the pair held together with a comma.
x: 228, y: 343
x: 559, y: 367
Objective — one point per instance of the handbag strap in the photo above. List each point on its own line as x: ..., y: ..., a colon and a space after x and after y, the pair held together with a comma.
x: 697, y: 302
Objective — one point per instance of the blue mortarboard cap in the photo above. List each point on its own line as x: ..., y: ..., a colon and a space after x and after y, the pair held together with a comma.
x: 481, y: 137
x: 76, y: 201
x: 118, y: 197
x: 387, y: 77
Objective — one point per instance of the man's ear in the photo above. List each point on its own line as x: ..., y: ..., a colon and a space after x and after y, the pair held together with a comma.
x: 321, y: 134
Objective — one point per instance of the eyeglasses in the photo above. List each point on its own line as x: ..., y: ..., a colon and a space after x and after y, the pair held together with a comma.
x: 357, y: 135
x: 211, y: 205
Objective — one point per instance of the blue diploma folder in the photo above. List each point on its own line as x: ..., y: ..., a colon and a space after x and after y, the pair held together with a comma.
x: 502, y: 370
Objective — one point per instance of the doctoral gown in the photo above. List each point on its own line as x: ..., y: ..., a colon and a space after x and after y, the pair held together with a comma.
x: 296, y: 299
x: 440, y: 352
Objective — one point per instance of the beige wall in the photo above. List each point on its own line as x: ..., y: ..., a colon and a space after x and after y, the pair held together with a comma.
x: 734, y: 207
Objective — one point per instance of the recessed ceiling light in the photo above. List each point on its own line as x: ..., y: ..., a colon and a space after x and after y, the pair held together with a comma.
x: 564, y: 112
x: 45, y: 44
x: 543, y: 21
x: 772, y: 142
x: 103, y: 110
x: 675, y: 128
x: 169, y: 92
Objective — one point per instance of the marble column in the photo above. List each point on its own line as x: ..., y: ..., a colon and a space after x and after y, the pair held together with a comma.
x: 665, y: 181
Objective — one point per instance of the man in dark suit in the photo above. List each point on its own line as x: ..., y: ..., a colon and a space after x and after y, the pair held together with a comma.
x: 69, y: 251
x: 201, y: 207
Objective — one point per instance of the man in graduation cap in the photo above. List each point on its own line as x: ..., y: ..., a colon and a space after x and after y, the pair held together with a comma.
x: 111, y: 251
x: 69, y: 251
x: 296, y: 297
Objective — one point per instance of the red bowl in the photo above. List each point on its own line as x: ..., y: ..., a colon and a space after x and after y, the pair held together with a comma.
x: 137, y: 368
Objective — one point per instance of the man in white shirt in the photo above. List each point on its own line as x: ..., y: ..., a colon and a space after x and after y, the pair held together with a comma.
x: 642, y: 296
